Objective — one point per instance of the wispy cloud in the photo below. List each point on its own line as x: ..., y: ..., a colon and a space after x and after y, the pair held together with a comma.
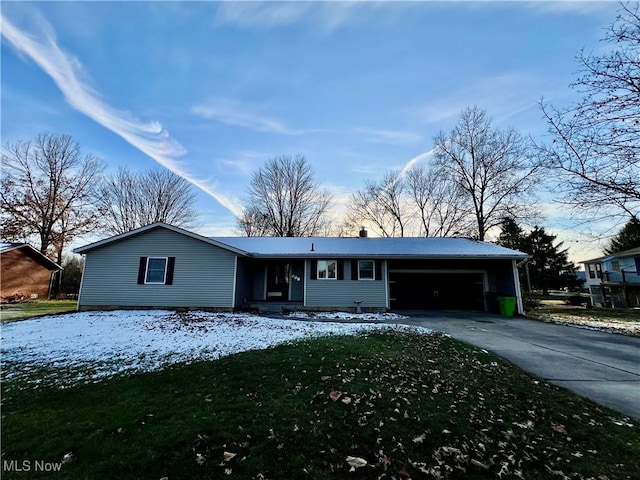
x: 67, y: 73
x: 235, y: 114
x: 503, y: 95
x: 325, y: 16
x: 365, y: 169
x: 394, y: 137
x: 581, y: 7
x: 243, y: 163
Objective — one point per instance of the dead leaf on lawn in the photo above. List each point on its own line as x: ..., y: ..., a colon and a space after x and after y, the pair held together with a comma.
x: 335, y: 396
x: 559, y: 428
x: 477, y: 463
x: 420, y: 438
x: 227, y: 456
x: 355, y: 462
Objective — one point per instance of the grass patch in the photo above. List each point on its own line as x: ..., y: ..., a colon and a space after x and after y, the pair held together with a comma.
x: 411, y: 406
x: 11, y: 312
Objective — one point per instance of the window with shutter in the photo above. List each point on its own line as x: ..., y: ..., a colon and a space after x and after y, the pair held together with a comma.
x: 327, y: 270
x: 156, y: 271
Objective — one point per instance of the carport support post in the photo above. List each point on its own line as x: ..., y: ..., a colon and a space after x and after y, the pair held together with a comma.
x: 516, y: 284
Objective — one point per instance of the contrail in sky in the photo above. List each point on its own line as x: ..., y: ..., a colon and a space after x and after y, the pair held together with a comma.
x: 148, y: 137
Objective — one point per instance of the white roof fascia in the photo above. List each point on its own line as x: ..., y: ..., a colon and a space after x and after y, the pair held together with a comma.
x: 153, y: 226
x: 632, y: 252
x: 413, y: 256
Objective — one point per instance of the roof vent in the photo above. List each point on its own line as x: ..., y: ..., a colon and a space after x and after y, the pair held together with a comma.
x: 363, y: 232
x: 313, y: 248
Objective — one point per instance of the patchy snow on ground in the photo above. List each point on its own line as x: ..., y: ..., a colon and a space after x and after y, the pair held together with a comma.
x: 349, y: 317
x: 88, y: 346
x: 595, y: 323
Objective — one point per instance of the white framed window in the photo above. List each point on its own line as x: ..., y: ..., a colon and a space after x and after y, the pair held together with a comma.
x: 366, y: 270
x: 615, y: 265
x: 327, y: 269
x: 156, y: 271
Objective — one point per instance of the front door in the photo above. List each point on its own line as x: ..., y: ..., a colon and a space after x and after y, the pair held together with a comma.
x: 278, y: 278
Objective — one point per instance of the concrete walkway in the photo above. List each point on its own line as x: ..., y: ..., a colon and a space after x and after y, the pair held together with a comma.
x: 603, y: 367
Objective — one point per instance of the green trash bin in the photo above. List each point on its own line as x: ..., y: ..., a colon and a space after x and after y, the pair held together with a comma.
x: 507, y: 306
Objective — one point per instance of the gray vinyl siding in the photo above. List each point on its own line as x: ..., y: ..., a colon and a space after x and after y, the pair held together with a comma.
x: 342, y: 293
x: 203, y: 275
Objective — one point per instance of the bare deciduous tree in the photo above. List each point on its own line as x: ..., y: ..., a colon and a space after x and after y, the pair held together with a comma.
x: 422, y: 201
x: 47, y: 191
x: 285, y: 200
x: 131, y: 200
x: 494, y: 168
x: 381, y: 204
x: 442, y: 208
x: 253, y: 223
x: 595, y: 151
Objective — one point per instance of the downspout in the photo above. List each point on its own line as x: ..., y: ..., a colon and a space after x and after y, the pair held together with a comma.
x: 84, y: 265
x: 235, y: 284
x: 525, y: 262
x: 516, y: 281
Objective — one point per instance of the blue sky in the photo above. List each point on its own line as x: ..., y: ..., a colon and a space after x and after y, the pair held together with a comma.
x: 212, y: 90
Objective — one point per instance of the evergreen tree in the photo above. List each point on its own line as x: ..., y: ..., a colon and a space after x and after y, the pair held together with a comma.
x: 511, y: 234
x: 549, y: 266
x: 626, y: 239
x: 71, y: 274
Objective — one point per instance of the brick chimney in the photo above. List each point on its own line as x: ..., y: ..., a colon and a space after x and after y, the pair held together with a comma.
x: 363, y: 232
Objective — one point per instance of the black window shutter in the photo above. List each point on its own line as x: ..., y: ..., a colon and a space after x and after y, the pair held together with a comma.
x: 314, y: 269
x: 142, y: 269
x: 170, y: 266
x: 378, y: 269
x: 354, y: 269
x: 340, y: 266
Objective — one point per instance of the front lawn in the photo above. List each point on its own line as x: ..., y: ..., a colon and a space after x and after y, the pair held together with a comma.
x: 379, y: 405
x: 10, y: 312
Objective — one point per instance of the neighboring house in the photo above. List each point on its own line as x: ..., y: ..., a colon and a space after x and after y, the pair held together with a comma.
x: 160, y: 265
x: 614, y: 280
x: 24, y: 271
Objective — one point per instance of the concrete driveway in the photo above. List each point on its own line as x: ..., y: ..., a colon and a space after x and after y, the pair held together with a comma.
x: 603, y: 367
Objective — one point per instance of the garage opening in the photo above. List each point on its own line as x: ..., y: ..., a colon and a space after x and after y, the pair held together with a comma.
x: 416, y: 290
